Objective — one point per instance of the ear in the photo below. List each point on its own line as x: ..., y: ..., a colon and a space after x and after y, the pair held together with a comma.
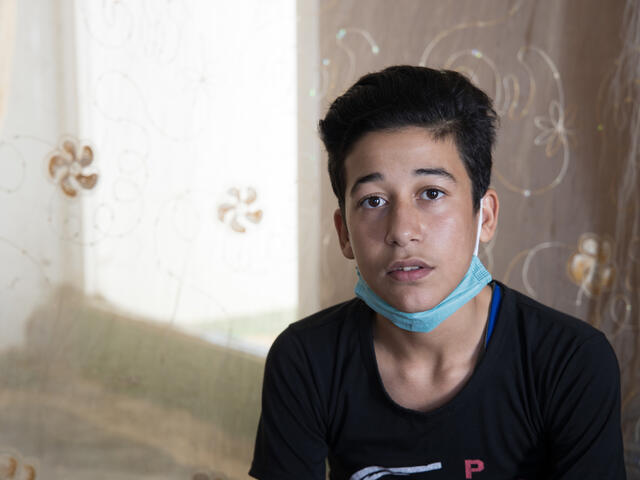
x: 490, y: 209
x: 343, y: 234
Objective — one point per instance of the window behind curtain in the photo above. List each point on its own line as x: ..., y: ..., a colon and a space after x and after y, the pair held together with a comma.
x: 189, y: 111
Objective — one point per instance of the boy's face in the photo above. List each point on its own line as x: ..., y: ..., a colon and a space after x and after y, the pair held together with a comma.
x: 409, y: 216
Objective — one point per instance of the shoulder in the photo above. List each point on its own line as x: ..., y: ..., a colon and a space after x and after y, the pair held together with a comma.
x: 560, y: 350
x: 304, y: 358
x: 323, y: 325
x: 330, y: 318
x: 576, y: 379
x: 542, y: 325
x: 316, y: 339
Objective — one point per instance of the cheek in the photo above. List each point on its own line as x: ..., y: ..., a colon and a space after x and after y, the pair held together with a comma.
x: 450, y: 235
x: 367, y: 245
x: 367, y: 231
x: 445, y: 227
x: 364, y: 247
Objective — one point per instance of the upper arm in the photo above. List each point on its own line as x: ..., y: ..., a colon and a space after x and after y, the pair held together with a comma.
x: 583, y: 415
x: 290, y: 443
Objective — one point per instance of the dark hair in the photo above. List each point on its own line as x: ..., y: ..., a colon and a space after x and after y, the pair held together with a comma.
x: 443, y: 101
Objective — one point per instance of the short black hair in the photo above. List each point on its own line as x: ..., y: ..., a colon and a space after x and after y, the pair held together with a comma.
x: 442, y: 101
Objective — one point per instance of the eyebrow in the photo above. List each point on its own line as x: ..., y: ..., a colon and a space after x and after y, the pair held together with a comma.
x: 435, y: 171
x: 376, y: 177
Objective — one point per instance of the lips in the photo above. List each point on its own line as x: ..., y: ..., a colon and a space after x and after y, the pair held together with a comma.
x: 409, y: 270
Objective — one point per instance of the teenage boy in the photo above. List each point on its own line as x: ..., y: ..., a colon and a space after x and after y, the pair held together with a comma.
x: 434, y: 371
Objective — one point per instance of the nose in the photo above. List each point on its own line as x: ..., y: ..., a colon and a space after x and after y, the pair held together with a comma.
x: 403, y: 224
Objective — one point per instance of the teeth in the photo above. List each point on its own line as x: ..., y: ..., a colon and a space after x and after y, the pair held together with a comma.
x: 408, y: 269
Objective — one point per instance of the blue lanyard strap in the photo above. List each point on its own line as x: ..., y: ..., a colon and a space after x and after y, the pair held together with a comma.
x: 493, y: 312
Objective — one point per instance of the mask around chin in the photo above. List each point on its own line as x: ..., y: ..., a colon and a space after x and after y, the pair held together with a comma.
x: 476, y: 278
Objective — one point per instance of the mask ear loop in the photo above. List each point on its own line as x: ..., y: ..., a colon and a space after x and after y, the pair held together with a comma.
x: 475, y: 250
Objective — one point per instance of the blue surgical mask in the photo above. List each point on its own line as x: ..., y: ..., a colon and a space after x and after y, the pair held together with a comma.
x: 476, y: 278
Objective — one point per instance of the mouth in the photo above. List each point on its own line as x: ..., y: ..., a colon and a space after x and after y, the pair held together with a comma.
x: 409, y: 270
x: 407, y: 266
x: 406, y: 269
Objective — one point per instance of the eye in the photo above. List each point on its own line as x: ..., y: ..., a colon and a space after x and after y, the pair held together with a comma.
x: 373, y: 202
x: 432, y: 194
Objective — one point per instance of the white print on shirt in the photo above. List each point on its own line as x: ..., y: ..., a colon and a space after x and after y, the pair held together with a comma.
x: 375, y: 472
x: 372, y: 473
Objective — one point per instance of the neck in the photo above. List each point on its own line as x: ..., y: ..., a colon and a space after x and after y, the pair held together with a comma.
x: 460, y: 335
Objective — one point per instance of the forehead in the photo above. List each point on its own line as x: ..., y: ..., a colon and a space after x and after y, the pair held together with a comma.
x: 397, y: 153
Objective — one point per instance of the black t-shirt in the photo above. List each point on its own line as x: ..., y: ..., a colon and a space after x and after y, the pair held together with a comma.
x: 543, y: 402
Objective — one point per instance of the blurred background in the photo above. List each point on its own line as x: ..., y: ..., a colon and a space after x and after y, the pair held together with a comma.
x: 165, y: 211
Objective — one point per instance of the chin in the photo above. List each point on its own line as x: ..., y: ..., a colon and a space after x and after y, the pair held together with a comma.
x: 413, y: 305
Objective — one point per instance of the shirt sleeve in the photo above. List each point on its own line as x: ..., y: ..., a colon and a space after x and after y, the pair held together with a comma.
x: 290, y: 443
x: 583, y: 415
